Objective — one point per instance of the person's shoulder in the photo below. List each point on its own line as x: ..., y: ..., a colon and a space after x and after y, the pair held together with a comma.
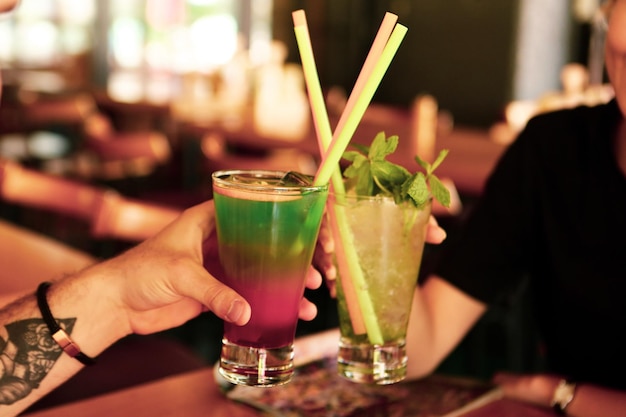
x: 582, y: 125
x: 574, y: 117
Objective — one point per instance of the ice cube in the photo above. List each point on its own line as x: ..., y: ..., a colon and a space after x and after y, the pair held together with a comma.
x: 293, y: 178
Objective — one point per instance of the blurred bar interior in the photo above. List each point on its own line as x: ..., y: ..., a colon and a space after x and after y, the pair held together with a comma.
x: 212, y: 61
x: 142, y: 99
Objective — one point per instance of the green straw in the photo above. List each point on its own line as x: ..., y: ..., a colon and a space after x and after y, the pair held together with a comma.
x: 378, y: 46
x: 340, y: 143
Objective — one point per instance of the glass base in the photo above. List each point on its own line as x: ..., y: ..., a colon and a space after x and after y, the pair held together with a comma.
x: 372, y: 364
x: 257, y: 367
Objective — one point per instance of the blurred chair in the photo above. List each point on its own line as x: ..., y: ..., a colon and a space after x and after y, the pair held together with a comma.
x: 42, y: 128
x: 103, y: 152
x: 218, y: 156
x: 110, y: 154
x: 109, y: 214
x: 131, y: 220
x: 31, y: 188
x: 38, y: 111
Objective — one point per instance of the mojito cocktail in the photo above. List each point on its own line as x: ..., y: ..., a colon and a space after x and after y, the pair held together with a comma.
x: 267, y: 230
x: 386, y: 243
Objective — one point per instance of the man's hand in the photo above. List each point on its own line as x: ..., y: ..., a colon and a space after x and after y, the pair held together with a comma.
x: 162, y: 282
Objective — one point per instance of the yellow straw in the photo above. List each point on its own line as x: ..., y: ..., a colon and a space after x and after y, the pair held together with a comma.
x: 311, y: 78
x: 324, y: 135
x: 316, y: 97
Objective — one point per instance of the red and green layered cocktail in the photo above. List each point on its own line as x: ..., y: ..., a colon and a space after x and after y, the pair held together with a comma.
x: 267, y: 227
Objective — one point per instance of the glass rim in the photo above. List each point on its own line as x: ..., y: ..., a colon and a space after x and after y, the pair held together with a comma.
x: 354, y: 199
x: 218, y: 178
x: 353, y: 196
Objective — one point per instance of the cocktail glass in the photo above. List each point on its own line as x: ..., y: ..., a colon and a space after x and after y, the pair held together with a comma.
x: 267, y: 230
x: 378, y: 268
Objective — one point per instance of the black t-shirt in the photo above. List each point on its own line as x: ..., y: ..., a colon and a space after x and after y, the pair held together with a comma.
x: 554, y: 211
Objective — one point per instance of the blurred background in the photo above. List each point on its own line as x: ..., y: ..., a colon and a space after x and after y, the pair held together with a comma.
x: 114, y: 113
x: 473, y: 55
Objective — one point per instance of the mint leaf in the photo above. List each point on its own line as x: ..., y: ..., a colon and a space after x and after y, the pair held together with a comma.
x: 359, y: 173
x: 388, y: 175
x: 417, y: 189
x: 370, y: 174
x: 442, y: 155
x: 361, y: 148
x: 440, y: 192
x: 382, y: 147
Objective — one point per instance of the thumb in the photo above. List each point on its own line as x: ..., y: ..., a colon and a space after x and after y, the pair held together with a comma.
x: 222, y: 300
x: 226, y: 303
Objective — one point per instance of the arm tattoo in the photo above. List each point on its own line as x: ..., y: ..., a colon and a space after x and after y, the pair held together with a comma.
x: 26, y: 357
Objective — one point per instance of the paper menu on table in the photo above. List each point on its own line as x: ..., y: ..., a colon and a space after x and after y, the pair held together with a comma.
x: 318, y: 391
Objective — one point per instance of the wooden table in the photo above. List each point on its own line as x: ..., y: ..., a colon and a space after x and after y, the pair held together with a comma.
x: 189, y: 394
x: 19, y: 274
x: 196, y: 393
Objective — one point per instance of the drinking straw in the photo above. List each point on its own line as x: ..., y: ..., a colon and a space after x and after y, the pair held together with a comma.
x: 382, y: 36
x: 331, y: 158
x: 324, y: 136
x: 311, y: 78
x: 316, y: 98
x: 358, y: 302
x: 356, y: 299
x: 377, y: 62
x: 352, y: 281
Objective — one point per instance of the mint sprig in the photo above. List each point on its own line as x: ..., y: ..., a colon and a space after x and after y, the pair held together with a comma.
x: 371, y: 174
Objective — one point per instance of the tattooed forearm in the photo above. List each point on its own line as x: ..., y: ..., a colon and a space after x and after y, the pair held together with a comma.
x: 26, y: 357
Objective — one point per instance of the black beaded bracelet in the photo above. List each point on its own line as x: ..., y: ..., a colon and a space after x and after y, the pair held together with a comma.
x: 59, y: 335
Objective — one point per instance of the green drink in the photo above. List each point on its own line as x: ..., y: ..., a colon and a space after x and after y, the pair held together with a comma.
x: 267, y: 231
x: 386, y: 244
x: 379, y: 219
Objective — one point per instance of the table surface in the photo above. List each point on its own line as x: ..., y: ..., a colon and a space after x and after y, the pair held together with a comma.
x: 196, y: 393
